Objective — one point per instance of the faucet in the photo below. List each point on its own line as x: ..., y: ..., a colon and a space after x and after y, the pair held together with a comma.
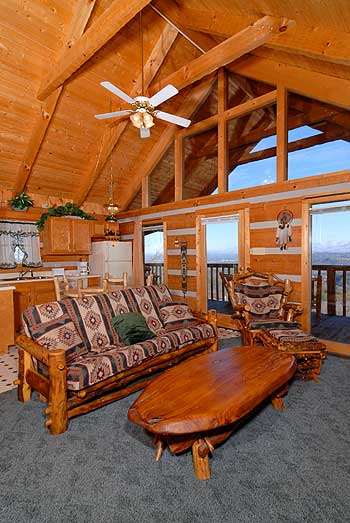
x: 23, y: 273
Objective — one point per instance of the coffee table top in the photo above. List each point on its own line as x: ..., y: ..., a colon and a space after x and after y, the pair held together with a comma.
x: 211, y: 390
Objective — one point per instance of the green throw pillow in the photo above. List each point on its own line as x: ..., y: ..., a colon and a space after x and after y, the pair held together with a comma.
x: 132, y: 328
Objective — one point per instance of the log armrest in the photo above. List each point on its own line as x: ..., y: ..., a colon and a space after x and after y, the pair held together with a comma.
x: 34, y: 349
x: 208, y: 317
x: 292, y: 309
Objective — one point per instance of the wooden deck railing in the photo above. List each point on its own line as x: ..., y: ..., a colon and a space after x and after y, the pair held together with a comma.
x: 335, y: 278
x: 215, y: 285
x: 157, y: 269
x: 336, y: 285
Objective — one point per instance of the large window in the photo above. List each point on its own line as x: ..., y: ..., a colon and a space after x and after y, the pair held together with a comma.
x: 318, y: 138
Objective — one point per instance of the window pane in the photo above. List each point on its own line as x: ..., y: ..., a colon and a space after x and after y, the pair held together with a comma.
x: 318, y: 137
x: 252, y: 149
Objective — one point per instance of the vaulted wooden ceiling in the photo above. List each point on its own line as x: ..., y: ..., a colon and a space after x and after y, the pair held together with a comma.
x: 55, y: 53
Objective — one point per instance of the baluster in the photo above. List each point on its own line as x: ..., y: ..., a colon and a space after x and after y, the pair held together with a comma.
x: 344, y: 292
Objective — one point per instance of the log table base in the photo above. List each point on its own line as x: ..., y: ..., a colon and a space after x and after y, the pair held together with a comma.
x: 199, y: 403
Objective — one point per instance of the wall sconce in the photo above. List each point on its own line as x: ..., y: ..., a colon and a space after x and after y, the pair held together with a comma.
x: 176, y: 242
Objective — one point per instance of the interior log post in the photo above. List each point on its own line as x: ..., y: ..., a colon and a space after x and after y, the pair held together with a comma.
x: 282, y: 134
x: 222, y: 132
x: 179, y: 167
x: 57, y: 409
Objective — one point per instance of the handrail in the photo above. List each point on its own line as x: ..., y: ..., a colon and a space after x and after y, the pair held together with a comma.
x: 335, y: 289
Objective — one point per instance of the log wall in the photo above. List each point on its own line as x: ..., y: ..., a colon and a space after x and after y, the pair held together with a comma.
x: 262, y: 205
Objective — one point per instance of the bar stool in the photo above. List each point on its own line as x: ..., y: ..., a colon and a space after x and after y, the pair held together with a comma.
x: 63, y: 289
x: 116, y: 282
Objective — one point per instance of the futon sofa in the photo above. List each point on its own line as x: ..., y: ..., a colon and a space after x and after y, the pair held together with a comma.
x: 72, y: 354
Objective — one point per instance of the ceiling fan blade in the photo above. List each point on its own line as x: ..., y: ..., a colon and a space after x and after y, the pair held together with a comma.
x: 172, y: 118
x: 144, y: 132
x: 164, y: 94
x: 111, y: 115
x: 115, y: 90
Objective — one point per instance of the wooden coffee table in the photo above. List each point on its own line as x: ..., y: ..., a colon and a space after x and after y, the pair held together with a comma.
x: 200, y: 402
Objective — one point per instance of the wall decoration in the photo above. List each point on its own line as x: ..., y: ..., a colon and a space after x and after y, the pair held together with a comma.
x: 184, y: 267
x: 284, y: 229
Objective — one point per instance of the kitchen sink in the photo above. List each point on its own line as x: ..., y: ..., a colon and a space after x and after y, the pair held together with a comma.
x: 26, y: 278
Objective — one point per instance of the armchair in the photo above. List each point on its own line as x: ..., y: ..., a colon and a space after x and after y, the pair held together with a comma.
x: 260, y: 301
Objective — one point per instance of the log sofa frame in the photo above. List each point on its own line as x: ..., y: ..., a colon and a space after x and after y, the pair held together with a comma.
x: 64, y: 404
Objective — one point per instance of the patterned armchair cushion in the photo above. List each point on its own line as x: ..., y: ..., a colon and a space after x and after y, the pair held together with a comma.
x: 51, y: 327
x: 93, y: 368
x: 176, y: 315
x: 264, y: 300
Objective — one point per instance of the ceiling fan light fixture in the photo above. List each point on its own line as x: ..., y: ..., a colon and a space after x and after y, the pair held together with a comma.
x: 136, y: 119
x: 148, y: 120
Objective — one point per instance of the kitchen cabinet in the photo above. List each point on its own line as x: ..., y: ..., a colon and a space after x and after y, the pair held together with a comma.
x: 66, y: 236
x: 7, y: 318
x: 29, y: 293
x: 97, y: 228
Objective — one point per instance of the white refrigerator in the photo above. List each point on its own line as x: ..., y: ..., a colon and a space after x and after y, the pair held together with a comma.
x: 113, y: 257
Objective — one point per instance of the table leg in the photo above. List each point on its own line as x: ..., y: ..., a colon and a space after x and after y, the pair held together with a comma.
x: 200, y: 456
x: 277, y: 400
x: 159, y: 445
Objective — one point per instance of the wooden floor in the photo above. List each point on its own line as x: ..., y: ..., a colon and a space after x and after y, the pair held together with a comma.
x: 335, y: 328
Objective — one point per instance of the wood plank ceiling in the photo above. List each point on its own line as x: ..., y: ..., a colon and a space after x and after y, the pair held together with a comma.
x: 55, y: 53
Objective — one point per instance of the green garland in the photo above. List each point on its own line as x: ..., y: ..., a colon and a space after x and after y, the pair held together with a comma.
x: 70, y: 209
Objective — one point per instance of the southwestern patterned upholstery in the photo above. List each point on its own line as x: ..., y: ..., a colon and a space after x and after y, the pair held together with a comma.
x: 176, y: 315
x: 260, y: 302
x: 94, y: 354
x: 309, y: 351
x: 93, y: 368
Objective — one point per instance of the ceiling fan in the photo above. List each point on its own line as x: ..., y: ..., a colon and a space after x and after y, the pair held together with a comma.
x: 143, y: 109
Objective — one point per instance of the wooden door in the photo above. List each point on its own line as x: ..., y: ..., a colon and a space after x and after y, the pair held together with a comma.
x: 81, y: 239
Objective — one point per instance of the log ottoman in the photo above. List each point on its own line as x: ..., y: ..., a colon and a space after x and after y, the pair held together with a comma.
x: 200, y: 402
x: 309, y: 351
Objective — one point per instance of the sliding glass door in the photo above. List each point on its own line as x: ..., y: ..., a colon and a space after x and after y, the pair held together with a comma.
x: 330, y: 266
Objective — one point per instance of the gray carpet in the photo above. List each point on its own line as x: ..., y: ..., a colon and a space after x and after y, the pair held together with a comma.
x: 286, y: 466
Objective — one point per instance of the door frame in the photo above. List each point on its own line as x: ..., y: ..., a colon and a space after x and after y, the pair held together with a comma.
x: 306, y: 250
x: 201, y: 256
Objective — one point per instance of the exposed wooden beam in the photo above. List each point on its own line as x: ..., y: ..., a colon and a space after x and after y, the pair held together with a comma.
x: 110, y: 137
x: 190, y: 105
x: 178, y: 167
x: 145, y: 192
x: 222, y: 132
x: 314, y: 42
x: 316, y: 114
x: 319, y: 86
x: 304, y: 143
x: 81, y: 15
x: 234, y: 112
x: 106, y: 26
x: 282, y: 134
x: 228, y: 51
